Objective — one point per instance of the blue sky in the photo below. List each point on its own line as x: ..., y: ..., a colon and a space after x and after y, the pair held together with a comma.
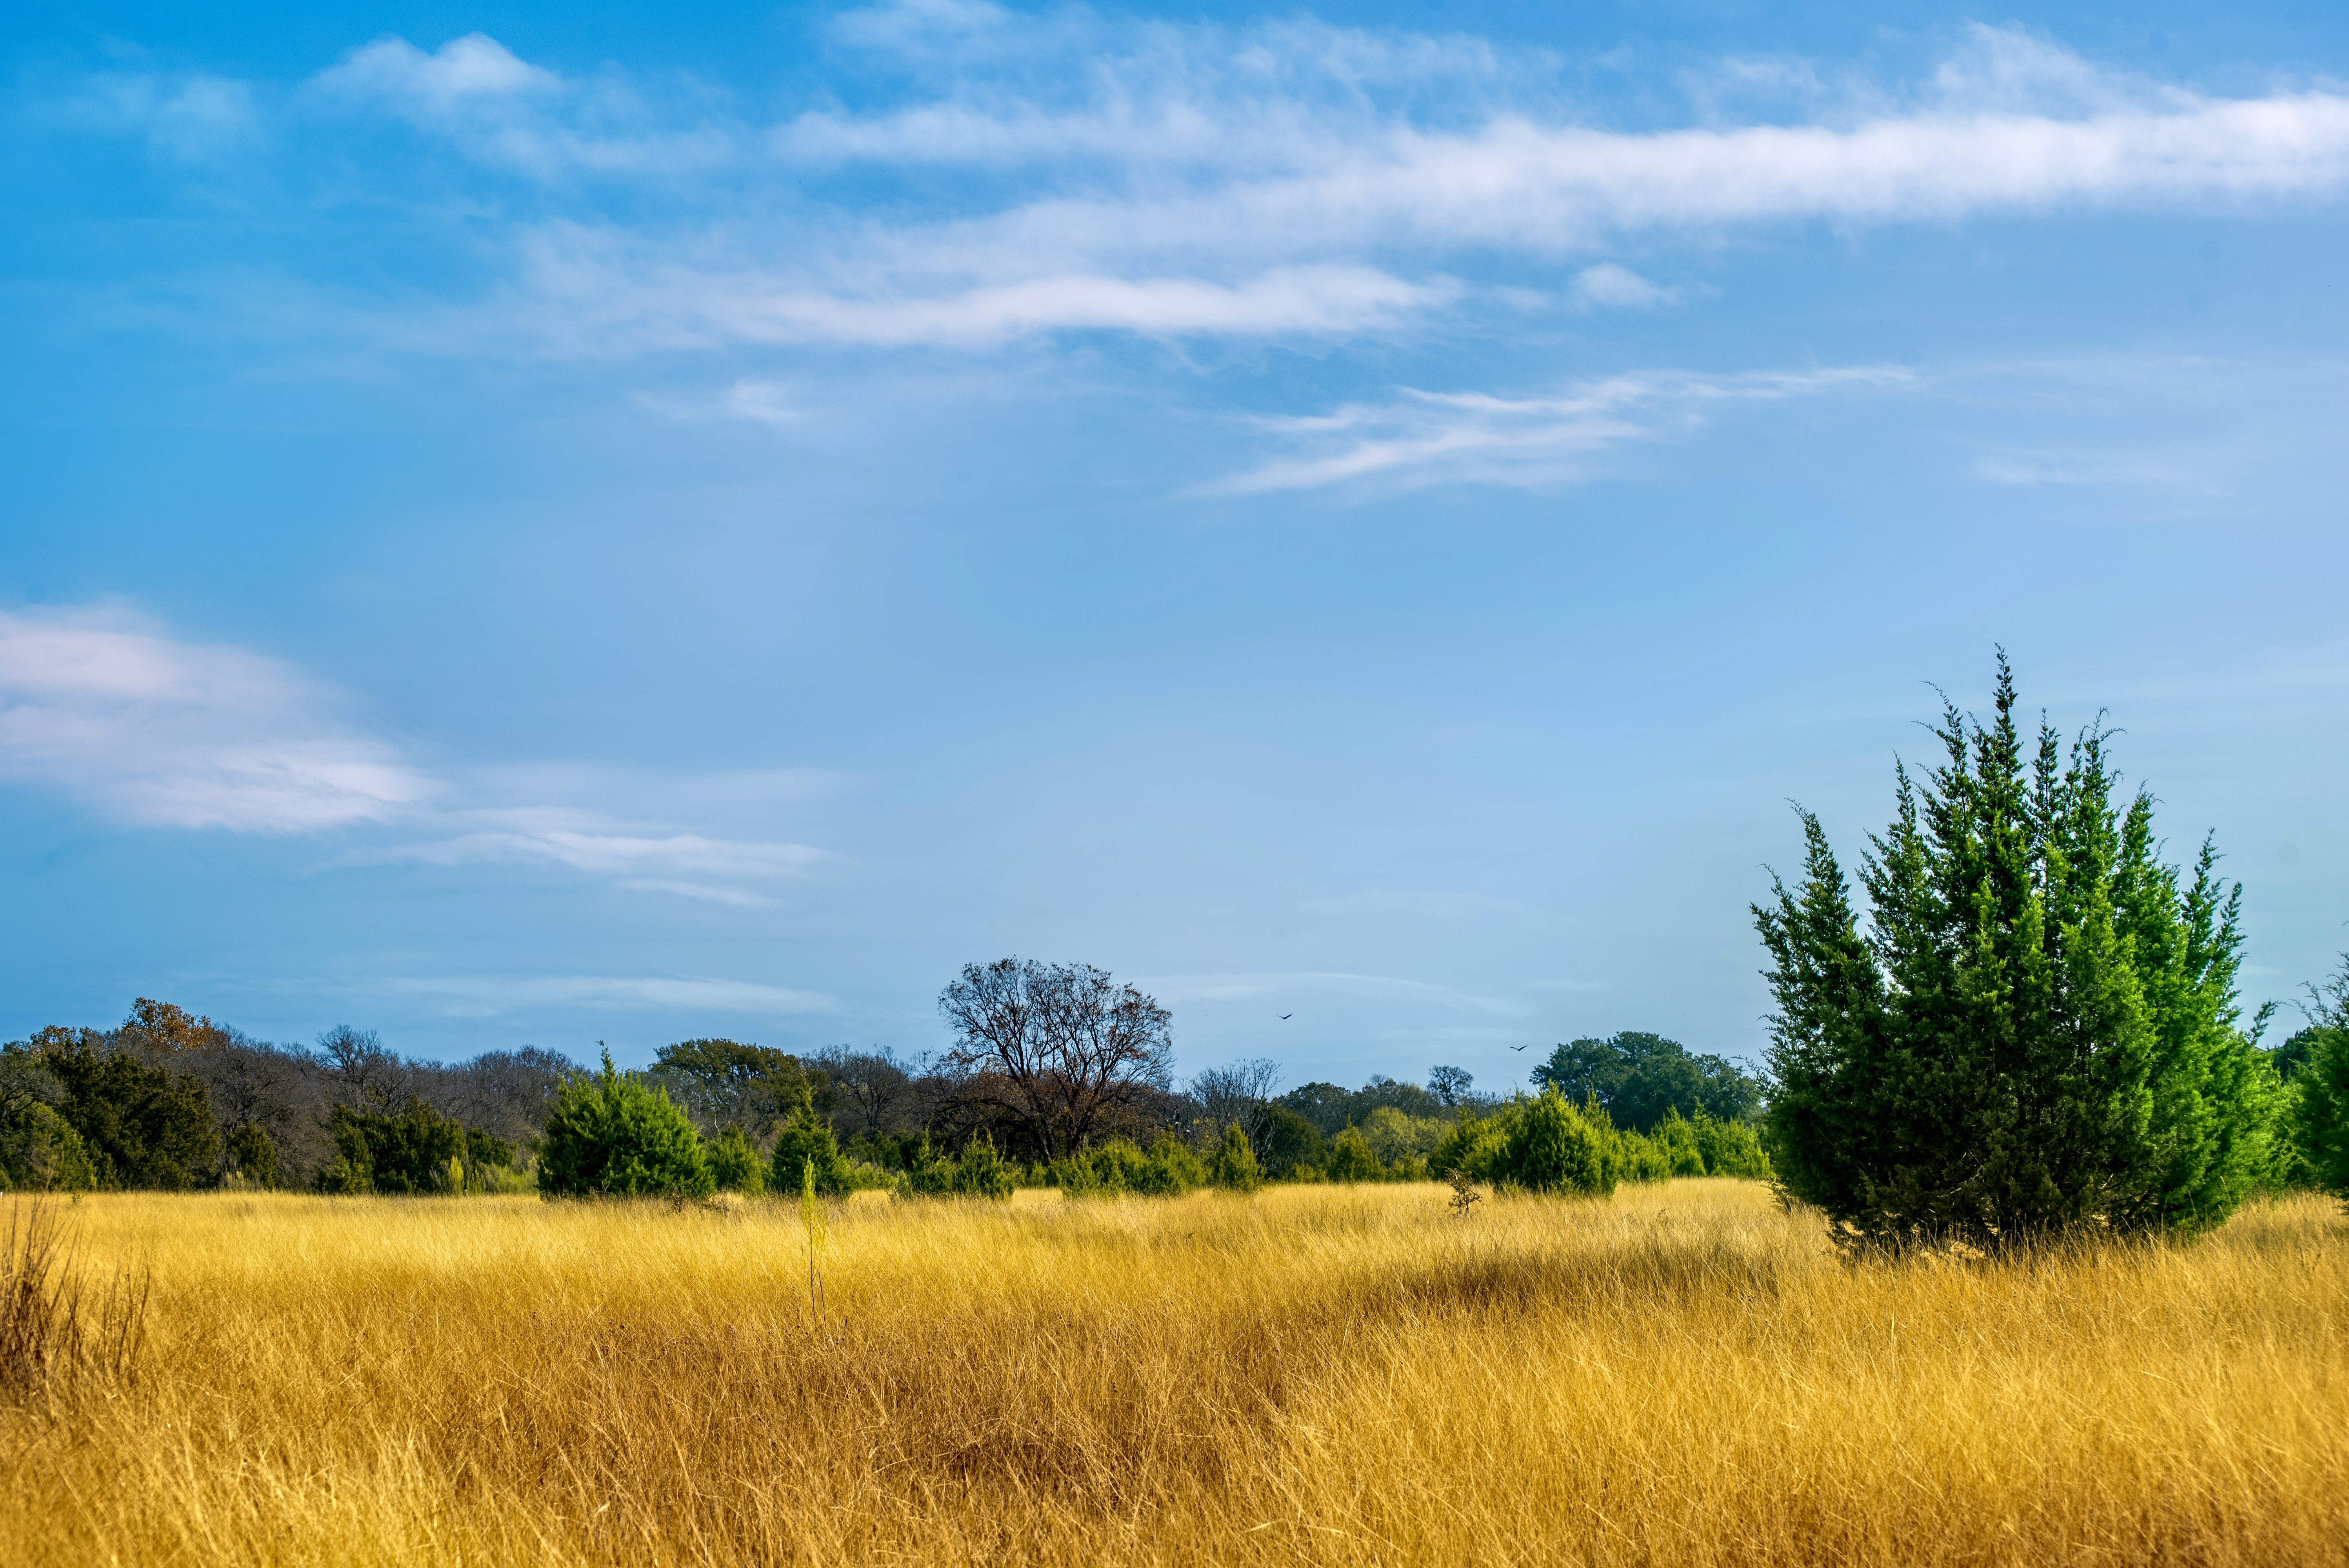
x: 549, y: 524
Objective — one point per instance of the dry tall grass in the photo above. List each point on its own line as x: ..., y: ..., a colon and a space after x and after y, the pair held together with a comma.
x: 1679, y: 1376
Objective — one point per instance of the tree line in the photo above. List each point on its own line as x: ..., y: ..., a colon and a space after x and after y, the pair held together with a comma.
x: 1055, y: 1075
x: 2032, y: 1029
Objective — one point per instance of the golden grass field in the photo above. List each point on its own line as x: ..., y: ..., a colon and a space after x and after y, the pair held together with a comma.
x: 1681, y: 1375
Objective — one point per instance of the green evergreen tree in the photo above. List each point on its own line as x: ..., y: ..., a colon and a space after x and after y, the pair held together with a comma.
x: 2036, y: 1032
x: 399, y: 1154
x: 2320, y: 1112
x: 252, y: 1154
x: 1350, y: 1159
x: 2320, y: 1089
x: 735, y: 1165
x: 1553, y: 1147
x: 807, y: 1137
x: 982, y: 1173
x: 1234, y: 1168
x: 1731, y: 1148
x: 140, y: 1125
x: 1171, y: 1169
x: 609, y: 1134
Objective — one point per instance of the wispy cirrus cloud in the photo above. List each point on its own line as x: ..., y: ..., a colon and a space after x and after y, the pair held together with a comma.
x: 1285, y: 179
x: 1418, y: 438
x: 107, y: 708
x: 497, y: 109
x: 106, y: 705
x: 483, y: 997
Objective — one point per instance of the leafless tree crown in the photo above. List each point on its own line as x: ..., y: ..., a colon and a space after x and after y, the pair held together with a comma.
x: 1061, y: 1047
x: 1237, y: 1095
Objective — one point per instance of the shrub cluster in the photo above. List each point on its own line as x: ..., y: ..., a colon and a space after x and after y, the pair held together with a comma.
x: 611, y: 1134
x: 1167, y: 1169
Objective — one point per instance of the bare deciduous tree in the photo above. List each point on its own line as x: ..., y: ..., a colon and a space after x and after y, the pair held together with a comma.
x: 370, y: 1072
x: 1058, y: 1046
x: 1450, y: 1085
x: 871, y: 1087
x: 1238, y: 1095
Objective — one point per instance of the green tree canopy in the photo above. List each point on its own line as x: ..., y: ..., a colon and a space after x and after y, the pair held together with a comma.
x: 609, y: 1133
x: 2037, y: 1028
x: 397, y: 1153
x: 724, y: 1083
x: 1641, y: 1078
x: 142, y: 1124
x: 1332, y: 1109
x: 2320, y: 1088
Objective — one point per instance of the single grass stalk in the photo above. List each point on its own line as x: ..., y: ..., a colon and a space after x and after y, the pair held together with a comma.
x: 812, y: 1223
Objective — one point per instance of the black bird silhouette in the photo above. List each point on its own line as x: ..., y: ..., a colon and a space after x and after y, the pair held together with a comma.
x: 1287, y: 1016
x: 1516, y: 1047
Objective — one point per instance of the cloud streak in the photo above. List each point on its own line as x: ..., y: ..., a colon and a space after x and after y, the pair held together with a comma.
x: 187, y: 735
x: 487, y: 997
x: 111, y: 710
x: 1287, y: 180
x: 1432, y: 437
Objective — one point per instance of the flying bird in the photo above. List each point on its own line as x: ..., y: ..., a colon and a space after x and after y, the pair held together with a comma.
x: 1519, y: 1048
x: 1286, y: 1017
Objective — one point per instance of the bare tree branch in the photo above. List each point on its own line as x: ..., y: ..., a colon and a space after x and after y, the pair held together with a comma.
x: 1059, y: 1046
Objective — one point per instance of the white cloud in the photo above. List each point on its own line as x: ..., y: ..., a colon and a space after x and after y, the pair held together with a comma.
x: 708, y: 893
x: 194, y: 118
x: 600, y: 854
x: 1288, y: 178
x: 464, y: 70
x: 600, y: 291
x: 110, y: 709
x: 482, y: 997
x: 1609, y: 285
x: 2049, y: 468
x: 186, y: 735
x: 1428, y: 438
x: 500, y: 109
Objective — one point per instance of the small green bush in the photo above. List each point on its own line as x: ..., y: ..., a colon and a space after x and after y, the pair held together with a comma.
x: 930, y: 1171
x: 1452, y: 1151
x: 609, y: 1134
x: 40, y: 1151
x: 252, y: 1154
x: 808, y: 1138
x: 1171, y: 1169
x: 1103, y: 1171
x: 735, y: 1165
x: 982, y: 1173
x: 1234, y: 1168
x: 399, y: 1154
x: 1351, y: 1159
x: 1560, y: 1149
x: 1731, y: 1148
